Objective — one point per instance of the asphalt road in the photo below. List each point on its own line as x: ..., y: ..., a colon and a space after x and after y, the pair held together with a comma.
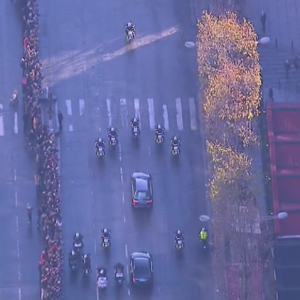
x: 100, y: 81
x: 20, y: 244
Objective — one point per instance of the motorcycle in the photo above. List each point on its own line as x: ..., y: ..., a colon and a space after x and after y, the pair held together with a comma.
x: 179, y: 244
x: 105, y: 242
x: 113, y: 141
x: 100, y: 151
x: 119, y: 277
x: 175, y: 149
x: 129, y: 36
x: 102, y: 283
x: 135, y: 131
x: 159, y: 138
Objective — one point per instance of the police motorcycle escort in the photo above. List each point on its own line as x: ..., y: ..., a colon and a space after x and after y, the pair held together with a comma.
x: 100, y: 147
x: 102, y: 279
x: 159, y: 134
x: 178, y: 240
x: 135, y: 127
x: 78, y: 243
x: 86, y: 264
x: 105, y: 238
x: 175, y: 145
x: 119, y: 273
x: 73, y: 261
x: 129, y: 32
x: 112, y: 136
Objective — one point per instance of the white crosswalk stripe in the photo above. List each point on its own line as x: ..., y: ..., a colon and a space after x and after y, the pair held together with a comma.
x: 1, y: 121
x: 119, y: 111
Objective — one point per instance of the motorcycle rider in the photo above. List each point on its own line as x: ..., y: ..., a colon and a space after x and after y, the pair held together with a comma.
x: 159, y: 130
x: 105, y: 233
x: 178, y: 236
x: 78, y: 237
x: 135, y: 122
x: 119, y: 268
x: 72, y: 258
x: 175, y: 141
x: 130, y: 27
x: 86, y: 259
x: 99, y: 143
x: 112, y: 132
x: 101, y: 273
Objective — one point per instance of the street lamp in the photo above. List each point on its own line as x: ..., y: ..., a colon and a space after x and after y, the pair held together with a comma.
x: 281, y: 215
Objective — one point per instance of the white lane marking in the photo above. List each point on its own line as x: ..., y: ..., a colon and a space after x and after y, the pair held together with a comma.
x: 137, y: 112
x: 69, y: 107
x: 123, y: 198
x: 97, y: 292
x: 1, y: 121
x: 16, y: 199
x: 151, y: 113
x: 15, y: 175
x: 124, y: 113
x: 108, y: 105
x: 126, y: 251
x: 166, y: 117
x: 20, y: 294
x: 193, y: 114
x: 81, y: 107
x: 149, y: 150
x: 124, y: 219
x: 121, y: 174
x: 71, y: 128
x: 16, y: 123
x: 128, y: 292
x: 95, y: 246
x: 120, y: 153
x: 179, y: 114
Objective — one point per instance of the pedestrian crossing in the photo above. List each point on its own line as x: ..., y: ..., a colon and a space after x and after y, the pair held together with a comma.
x: 179, y: 114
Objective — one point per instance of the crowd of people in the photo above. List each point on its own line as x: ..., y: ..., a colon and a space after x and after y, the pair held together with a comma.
x: 41, y: 141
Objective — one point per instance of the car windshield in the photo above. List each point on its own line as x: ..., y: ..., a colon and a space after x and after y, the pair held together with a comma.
x: 142, y: 268
x: 142, y: 195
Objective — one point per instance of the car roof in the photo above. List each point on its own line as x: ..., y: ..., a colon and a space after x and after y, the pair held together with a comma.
x: 140, y: 175
x: 141, y: 254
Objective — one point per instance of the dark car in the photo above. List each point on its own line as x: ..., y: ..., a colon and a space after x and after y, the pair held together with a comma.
x: 141, y: 269
x: 141, y: 190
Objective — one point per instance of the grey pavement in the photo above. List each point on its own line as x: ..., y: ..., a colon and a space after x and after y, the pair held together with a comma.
x: 99, y: 80
x: 19, y: 254
x: 283, y: 28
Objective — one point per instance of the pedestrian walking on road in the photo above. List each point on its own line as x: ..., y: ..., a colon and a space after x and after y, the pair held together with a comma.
x: 287, y: 67
x: 29, y: 213
x: 60, y: 119
x: 263, y: 19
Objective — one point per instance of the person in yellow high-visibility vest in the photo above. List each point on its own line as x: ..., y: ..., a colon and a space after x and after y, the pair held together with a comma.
x: 203, y: 234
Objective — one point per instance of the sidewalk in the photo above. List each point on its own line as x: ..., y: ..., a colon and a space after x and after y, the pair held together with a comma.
x: 283, y: 28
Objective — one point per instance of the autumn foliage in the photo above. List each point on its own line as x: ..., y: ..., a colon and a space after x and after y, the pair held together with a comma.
x: 229, y: 72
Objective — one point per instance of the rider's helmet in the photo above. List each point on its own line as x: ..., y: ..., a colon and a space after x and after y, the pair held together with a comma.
x: 158, y: 126
x: 129, y: 24
x: 105, y: 230
x: 77, y: 235
x: 178, y: 232
x: 72, y: 252
x: 175, y: 138
x: 101, y: 272
x: 203, y: 229
x: 112, y: 129
x: 85, y: 256
x: 135, y: 120
x: 100, y: 140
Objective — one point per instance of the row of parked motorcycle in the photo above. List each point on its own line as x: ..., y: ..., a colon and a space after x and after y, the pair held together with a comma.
x: 135, y: 130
